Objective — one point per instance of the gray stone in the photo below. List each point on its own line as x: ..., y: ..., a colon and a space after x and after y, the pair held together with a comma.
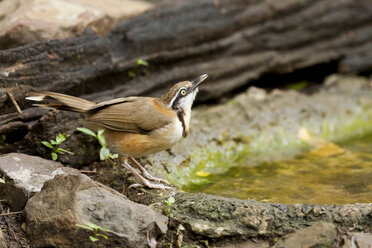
x: 68, y: 200
x: 320, y: 234
x: 25, y: 175
x: 219, y: 217
x: 358, y: 239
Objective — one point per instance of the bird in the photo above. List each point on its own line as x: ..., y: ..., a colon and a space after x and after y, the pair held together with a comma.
x: 134, y: 126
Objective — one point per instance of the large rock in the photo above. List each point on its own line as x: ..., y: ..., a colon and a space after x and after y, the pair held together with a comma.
x: 68, y: 200
x: 25, y: 21
x: 358, y: 239
x: 320, y: 234
x: 25, y: 175
x: 218, y: 217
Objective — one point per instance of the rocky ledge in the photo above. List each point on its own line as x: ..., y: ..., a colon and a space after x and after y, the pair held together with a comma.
x: 65, y: 208
x: 61, y: 211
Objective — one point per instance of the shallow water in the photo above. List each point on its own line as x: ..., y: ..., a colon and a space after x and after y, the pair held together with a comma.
x: 337, y: 179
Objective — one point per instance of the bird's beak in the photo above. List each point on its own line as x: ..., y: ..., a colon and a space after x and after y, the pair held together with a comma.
x: 195, y: 83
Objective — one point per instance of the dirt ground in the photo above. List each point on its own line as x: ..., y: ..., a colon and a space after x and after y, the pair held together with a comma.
x: 12, y: 227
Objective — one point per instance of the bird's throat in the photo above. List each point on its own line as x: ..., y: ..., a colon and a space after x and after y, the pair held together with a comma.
x: 181, y: 118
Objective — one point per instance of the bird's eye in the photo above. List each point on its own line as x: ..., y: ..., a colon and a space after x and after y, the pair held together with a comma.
x: 183, y: 92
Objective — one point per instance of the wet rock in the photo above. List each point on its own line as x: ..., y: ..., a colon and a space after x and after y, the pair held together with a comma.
x: 25, y: 175
x: 26, y: 21
x: 320, y: 234
x: 68, y: 200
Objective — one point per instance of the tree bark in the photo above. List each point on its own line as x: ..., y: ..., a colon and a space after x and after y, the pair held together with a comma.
x: 234, y: 41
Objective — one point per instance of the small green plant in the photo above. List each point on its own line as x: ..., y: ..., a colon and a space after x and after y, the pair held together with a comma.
x: 139, y: 63
x: 95, y: 229
x: 168, y: 206
x: 104, y: 153
x: 54, y: 146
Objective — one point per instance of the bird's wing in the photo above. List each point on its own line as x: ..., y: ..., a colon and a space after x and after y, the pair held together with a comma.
x: 132, y: 114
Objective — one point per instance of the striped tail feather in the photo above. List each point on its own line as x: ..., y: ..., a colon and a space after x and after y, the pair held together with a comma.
x: 60, y: 101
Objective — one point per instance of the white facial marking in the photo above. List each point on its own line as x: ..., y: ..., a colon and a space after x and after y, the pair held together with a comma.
x: 174, y: 98
x: 186, y: 102
x: 35, y: 98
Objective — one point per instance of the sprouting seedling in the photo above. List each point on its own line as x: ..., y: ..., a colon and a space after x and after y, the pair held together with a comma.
x: 104, y: 153
x: 168, y: 206
x: 95, y: 229
x: 139, y: 63
x: 54, y: 146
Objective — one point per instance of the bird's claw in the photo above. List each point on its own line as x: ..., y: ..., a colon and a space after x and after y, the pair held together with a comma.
x: 151, y: 186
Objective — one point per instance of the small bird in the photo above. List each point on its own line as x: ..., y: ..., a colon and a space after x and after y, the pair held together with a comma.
x: 134, y: 126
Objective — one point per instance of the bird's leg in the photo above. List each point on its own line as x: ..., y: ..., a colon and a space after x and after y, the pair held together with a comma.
x: 141, y: 178
x: 145, y: 173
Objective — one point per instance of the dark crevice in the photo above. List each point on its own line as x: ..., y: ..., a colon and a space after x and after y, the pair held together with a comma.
x: 312, y: 75
x: 307, y: 80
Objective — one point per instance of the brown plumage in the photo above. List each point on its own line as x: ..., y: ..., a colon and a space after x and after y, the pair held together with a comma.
x: 134, y: 126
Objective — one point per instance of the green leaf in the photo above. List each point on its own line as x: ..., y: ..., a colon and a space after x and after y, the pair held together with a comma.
x: 101, y: 235
x: 59, y: 151
x: 2, y: 180
x: 297, y: 86
x: 53, y: 142
x: 104, y: 153
x: 171, y: 200
x: 54, y: 156
x: 63, y: 151
x: 105, y: 229
x: 131, y: 74
x: 142, y: 62
x: 85, y: 227
x: 60, y: 138
x: 93, y: 239
x: 94, y: 226
x: 113, y: 156
x: 47, y: 144
x: 86, y: 131
x: 101, y: 138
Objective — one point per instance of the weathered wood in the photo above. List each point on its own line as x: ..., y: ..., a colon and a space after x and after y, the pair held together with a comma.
x: 234, y: 41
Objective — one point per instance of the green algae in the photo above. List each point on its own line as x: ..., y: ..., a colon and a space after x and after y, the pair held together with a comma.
x: 339, y: 179
x: 254, y: 147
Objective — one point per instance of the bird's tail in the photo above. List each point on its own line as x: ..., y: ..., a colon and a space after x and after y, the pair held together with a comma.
x: 60, y: 101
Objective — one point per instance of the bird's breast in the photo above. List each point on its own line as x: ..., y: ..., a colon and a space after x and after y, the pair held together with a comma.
x: 170, y: 134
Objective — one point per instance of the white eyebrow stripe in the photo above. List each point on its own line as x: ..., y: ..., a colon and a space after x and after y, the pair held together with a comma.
x: 36, y: 98
x: 174, y: 98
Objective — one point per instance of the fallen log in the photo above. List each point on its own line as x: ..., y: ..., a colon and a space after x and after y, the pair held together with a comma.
x: 234, y: 41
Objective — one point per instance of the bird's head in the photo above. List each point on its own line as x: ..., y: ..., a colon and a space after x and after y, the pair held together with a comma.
x: 181, y: 96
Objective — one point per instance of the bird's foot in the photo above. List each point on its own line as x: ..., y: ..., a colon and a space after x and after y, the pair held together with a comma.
x: 151, y: 186
x: 143, y: 180
x: 150, y: 177
x: 146, y: 174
